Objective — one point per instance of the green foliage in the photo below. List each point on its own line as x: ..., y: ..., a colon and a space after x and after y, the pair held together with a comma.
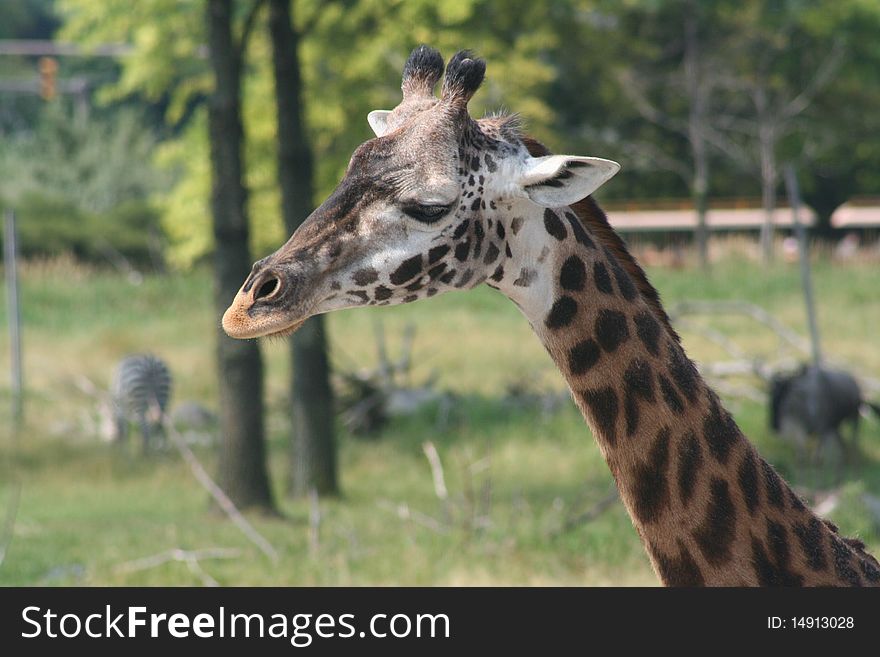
x: 562, y: 65
x: 352, y: 53
x: 91, y: 162
x: 50, y: 226
x: 81, y: 183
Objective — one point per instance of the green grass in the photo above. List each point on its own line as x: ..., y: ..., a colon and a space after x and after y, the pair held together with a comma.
x: 515, y: 474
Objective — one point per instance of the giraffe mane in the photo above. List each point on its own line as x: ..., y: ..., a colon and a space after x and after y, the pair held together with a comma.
x: 590, y: 214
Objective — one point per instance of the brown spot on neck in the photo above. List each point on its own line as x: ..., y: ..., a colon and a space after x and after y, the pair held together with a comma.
x: 590, y: 214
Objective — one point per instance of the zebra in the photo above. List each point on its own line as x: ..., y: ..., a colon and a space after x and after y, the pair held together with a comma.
x: 140, y: 394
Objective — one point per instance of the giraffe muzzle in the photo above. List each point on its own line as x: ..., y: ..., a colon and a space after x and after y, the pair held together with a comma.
x: 262, y: 306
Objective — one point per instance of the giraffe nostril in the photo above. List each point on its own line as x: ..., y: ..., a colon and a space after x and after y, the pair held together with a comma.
x: 268, y: 288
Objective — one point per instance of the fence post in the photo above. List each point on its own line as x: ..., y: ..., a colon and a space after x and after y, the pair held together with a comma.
x: 10, y: 252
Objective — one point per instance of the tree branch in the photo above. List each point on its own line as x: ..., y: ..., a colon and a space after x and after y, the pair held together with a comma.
x: 217, y: 493
x: 632, y: 90
x: 248, y: 27
x: 823, y: 76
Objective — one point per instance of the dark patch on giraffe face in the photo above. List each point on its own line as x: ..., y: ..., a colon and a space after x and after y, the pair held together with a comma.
x: 651, y: 494
x: 562, y: 313
x: 334, y: 249
x: 526, y: 277
x: 435, y: 271
x: 747, y: 476
x: 366, y: 276
x: 381, y: 293
x: 670, y: 396
x: 462, y: 250
x: 448, y: 276
x: 611, y: 329
x: 680, y: 569
x: 436, y: 253
x: 602, y: 278
x: 810, y: 537
x: 624, y: 283
x: 499, y: 230
x: 580, y: 233
x: 461, y: 229
x: 492, y: 253
x: 583, y: 356
x: 772, y: 485
x: 573, y: 274
x: 715, y: 536
x: 554, y: 225
x: 515, y: 224
x: 359, y: 294
x: 478, y: 247
x: 690, y: 460
x: 648, y: 330
x: 491, y: 164
x: 638, y: 386
x: 498, y: 274
x: 408, y: 269
x: 335, y: 285
x: 465, y: 278
x: 603, y: 408
x: 410, y: 298
x: 773, y: 569
x: 842, y: 557
x: 683, y: 372
x: 720, y: 432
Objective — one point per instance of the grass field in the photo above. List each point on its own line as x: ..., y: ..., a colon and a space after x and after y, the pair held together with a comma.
x: 517, y: 475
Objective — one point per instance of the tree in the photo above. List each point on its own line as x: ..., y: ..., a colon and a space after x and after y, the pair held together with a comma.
x: 243, y: 474
x: 313, y: 449
x: 694, y: 81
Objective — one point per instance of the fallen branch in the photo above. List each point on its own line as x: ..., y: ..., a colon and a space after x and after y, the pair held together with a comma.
x: 590, y: 514
x: 217, y: 493
x: 436, y: 470
x: 735, y: 368
x: 732, y: 349
x: 314, y: 523
x: 402, y: 511
x: 189, y: 557
x: 742, y: 390
x: 750, y: 310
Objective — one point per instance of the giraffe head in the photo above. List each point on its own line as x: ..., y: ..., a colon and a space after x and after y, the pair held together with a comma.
x: 423, y: 208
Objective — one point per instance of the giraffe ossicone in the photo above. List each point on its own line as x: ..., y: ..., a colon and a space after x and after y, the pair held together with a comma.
x: 439, y: 202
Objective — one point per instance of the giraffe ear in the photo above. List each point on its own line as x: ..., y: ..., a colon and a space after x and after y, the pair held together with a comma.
x: 556, y: 180
x: 378, y: 120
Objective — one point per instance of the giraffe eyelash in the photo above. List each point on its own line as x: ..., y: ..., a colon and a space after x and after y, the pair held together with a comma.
x: 427, y: 214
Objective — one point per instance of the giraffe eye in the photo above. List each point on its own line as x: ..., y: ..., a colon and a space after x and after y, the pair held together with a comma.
x: 427, y: 214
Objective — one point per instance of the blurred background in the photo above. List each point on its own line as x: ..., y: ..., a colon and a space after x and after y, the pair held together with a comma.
x: 150, y: 151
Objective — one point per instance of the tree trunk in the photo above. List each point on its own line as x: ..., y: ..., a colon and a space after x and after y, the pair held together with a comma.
x: 313, y: 448
x: 769, y: 173
x: 243, y: 475
x: 696, y: 131
x: 769, y: 177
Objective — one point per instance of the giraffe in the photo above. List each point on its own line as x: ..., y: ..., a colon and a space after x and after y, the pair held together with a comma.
x: 438, y: 201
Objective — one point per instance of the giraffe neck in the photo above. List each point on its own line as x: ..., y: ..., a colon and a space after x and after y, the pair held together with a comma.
x: 708, y: 508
